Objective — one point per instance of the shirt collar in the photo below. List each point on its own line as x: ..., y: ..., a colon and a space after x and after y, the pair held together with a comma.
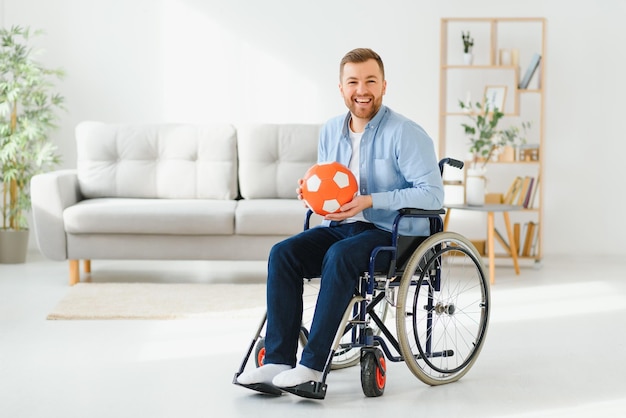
x: 373, y: 123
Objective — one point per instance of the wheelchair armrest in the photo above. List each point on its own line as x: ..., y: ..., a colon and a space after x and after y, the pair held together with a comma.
x: 422, y: 212
x: 433, y: 215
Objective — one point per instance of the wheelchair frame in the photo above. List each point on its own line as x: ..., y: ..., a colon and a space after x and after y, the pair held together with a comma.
x: 438, y: 304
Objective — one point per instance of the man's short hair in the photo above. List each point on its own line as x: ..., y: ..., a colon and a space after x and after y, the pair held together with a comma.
x: 359, y: 55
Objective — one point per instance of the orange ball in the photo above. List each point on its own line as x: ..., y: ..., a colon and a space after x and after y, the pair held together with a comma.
x: 328, y: 186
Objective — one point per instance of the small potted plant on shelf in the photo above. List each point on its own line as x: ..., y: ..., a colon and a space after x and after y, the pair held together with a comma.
x: 27, y: 115
x: 486, y: 139
x: 468, y: 44
x: 511, y: 140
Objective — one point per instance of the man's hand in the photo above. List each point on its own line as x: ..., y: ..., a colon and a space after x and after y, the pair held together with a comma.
x: 358, y: 204
x: 299, y: 192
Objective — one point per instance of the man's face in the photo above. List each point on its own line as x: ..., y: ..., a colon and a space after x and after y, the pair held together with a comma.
x: 362, y: 87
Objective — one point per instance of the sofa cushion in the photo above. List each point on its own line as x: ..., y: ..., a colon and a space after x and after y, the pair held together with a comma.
x: 157, y: 161
x: 271, y: 217
x: 151, y: 216
x: 273, y: 157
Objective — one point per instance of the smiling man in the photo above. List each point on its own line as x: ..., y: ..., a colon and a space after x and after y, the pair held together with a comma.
x: 394, y: 162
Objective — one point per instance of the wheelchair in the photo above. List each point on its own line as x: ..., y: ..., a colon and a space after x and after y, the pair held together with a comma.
x: 438, y: 290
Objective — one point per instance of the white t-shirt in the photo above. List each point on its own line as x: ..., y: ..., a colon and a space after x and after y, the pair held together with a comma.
x: 355, y: 138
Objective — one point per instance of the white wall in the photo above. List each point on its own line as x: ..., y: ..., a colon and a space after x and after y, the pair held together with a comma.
x: 276, y: 61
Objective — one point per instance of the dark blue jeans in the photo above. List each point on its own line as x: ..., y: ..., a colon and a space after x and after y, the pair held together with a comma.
x: 339, y: 255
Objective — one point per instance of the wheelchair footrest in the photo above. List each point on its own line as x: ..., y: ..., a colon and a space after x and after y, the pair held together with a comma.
x: 260, y: 387
x: 310, y: 390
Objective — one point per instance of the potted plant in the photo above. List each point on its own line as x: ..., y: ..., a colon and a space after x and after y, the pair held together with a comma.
x: 513, y: 138
x: 485, y: 140
x: 27, y: 116
x: 468, y: 43
x: 482, y: 131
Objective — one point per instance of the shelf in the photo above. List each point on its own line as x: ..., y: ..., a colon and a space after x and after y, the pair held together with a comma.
x: 480, y: 67
x: 513, y: 162
x: 519, y: 257
x: 466, y: 114
x: 459, y: 81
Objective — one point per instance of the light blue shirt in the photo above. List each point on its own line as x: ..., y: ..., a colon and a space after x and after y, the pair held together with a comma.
x: 398, y: 167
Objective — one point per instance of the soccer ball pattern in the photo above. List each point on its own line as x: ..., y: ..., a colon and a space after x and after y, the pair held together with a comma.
x: 328, y: 186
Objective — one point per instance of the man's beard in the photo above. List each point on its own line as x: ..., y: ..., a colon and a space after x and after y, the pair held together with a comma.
x: 361, y: 113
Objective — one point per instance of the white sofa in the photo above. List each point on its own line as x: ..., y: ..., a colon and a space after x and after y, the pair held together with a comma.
x: 173, y: 192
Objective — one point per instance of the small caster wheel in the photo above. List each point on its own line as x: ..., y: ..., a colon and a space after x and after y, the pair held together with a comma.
x: 259, y: 352
x: 373, y: 372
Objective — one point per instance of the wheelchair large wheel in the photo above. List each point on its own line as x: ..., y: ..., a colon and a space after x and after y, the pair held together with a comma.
x: 442, y: 310
x: 346, y: 355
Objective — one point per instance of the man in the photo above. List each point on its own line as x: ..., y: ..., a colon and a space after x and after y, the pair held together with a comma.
x: 395, y: 165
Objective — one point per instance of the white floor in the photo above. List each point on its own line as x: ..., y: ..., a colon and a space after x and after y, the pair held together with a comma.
x: 555, y: 348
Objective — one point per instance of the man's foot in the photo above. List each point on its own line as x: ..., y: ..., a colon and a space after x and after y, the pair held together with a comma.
x: 294, y: 377
x: 264, y: 374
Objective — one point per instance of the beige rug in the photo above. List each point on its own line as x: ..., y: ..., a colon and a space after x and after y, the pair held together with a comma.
x: 160, y: 301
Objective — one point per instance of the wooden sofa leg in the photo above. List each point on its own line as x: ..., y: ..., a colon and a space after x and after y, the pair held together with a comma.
x: 87, y: 266
x: 74, y: 272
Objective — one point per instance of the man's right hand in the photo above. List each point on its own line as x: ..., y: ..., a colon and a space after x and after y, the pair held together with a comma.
x: 299, y: 191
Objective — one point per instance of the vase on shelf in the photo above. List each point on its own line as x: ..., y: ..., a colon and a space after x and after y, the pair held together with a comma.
x: 468, y: 58
x: 475, y: 186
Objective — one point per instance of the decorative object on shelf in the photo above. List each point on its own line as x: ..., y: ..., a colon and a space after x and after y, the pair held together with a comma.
x: 507, y: 154
x: 494, y: 97
x: 514, y: 57
x: 529, y: 152
x: 475, y: 186
x: 27, y: 115
x: 508, y: 57
x: 468, y: 43
x: 532, y: 67
x: 504, y: 57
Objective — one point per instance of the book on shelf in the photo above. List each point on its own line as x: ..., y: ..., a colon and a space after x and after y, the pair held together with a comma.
x: 517, y: 231
x: 529, y: 192
x: 522, y: 192
x: 532, y: 202
x: 530, y: 71
x: 531, y: 232
x: 533, y: 246
x: 513, y: 191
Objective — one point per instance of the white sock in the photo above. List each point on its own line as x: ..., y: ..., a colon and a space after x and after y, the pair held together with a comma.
x: 294, y: 377
x: 263, y: 374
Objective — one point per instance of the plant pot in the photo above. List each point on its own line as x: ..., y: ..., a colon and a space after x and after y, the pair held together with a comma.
x: 475, y: 187
x: 13, y: 246
x: 468, y: 58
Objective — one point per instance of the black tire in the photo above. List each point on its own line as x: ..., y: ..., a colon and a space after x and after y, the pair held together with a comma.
x: 373, y: 379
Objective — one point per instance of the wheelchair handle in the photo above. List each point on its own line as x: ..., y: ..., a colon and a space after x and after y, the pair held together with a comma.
x: 451, y: 162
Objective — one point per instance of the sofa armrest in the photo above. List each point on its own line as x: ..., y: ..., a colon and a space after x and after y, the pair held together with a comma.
x: 51, y: 193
